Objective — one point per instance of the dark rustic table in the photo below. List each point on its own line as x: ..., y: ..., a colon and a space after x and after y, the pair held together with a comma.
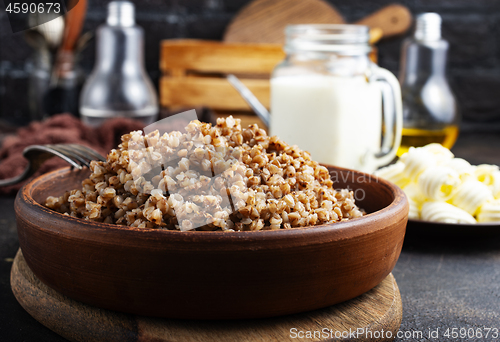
x: 448, y: 287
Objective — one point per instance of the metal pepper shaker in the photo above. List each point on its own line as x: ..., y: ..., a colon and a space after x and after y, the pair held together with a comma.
x: 119, y: 85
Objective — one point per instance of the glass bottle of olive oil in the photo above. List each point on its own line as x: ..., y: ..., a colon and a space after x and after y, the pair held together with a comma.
x: 430, y: 111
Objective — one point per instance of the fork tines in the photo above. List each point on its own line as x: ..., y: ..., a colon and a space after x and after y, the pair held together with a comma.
x: 79, y: 153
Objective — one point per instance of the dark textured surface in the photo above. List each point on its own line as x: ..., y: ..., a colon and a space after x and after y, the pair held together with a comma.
x: 444, y: 284
x: 449, y: 284
x: 472, y: 28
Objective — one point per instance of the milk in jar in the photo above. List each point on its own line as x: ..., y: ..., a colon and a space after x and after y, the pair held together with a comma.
x: 328, y: 98
x: 337, y: 119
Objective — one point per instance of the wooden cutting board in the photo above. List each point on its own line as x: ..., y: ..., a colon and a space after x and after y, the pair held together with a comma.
x: 378, y: 310
x: 264, y: 21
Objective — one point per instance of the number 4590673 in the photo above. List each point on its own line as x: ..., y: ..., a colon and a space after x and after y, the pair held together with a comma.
x: 23, y: 7
x: 472, y: 333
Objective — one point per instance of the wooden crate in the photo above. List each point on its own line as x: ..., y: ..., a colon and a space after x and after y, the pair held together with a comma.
x: 193, y: 73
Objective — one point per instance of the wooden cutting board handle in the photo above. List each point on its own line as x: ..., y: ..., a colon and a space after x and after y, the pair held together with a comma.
x: 393, y: 20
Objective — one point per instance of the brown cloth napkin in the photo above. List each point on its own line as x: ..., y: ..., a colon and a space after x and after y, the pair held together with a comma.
x: 59, y: 129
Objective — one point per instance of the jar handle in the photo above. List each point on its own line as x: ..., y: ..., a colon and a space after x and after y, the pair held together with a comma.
x: 393, y: 114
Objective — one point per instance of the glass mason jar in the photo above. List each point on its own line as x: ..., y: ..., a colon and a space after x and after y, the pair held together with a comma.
x: 328, y: 98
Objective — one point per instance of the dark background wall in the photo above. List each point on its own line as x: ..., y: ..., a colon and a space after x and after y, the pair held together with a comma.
x: 471, y: 26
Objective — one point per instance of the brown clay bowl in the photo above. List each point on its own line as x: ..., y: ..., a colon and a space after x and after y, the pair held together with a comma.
x: 211, y: 275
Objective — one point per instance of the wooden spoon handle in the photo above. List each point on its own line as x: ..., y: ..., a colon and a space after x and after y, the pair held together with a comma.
x: 393, y: 20
x: 74, y: 24
x: 64, y: 61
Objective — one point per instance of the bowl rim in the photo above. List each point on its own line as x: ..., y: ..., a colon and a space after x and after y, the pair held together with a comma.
x: 393, y: 209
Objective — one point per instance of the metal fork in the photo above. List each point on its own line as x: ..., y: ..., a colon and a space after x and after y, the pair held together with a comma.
x: 76, y: 155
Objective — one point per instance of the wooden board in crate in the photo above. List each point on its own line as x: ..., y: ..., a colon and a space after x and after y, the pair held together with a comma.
x: 193, y: 73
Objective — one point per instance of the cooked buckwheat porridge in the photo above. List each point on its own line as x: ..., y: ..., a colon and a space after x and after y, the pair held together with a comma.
x: 218, y: 177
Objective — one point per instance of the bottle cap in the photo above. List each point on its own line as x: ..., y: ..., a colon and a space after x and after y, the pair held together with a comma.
x: 121, y: 13
x: 428, y: 27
